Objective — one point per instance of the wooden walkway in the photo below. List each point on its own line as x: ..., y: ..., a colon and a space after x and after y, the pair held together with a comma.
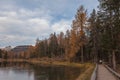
x: 104, y: 74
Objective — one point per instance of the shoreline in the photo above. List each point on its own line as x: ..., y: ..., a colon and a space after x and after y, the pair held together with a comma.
x: 48, y: 62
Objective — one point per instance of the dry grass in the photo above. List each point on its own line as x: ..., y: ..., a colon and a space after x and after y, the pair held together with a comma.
x: 58, y: 63
x: 87, y: 73
x: 13, y: 60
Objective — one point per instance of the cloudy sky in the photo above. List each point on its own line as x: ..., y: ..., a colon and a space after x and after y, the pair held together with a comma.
x: 22, y: 21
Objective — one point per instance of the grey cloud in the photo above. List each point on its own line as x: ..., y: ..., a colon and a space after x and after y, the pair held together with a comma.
x: 22, y: 21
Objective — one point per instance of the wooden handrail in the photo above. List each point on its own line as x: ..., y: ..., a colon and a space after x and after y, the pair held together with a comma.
x: 94, y: 74
x: 113, y: 72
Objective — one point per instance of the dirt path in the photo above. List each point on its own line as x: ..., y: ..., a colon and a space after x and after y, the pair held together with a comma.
x: 104, y: 74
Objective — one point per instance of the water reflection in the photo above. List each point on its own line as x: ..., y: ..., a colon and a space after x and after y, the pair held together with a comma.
x: 25, y: 71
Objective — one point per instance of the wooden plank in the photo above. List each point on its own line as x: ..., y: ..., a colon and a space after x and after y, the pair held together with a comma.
x: 104, y: 74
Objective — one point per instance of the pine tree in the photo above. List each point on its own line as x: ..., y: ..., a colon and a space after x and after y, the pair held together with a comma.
x: 94, y: 34
x: 110, y: 10
x: 61, y: 43
x: 53, y: 45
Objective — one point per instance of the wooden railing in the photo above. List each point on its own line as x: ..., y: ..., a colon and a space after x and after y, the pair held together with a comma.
x: 94, y: 74
x: 113, y: 72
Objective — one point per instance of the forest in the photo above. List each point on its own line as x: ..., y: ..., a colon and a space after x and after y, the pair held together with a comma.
x: 91, y: 38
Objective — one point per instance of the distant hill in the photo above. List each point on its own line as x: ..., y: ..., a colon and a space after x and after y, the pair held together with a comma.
x: 21, y: 48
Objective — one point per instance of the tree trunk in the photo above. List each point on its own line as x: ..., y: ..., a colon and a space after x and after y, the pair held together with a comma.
x: 110, y: 59
x: 113, y: 60
x: 94, y: 55
x: 82, y: 57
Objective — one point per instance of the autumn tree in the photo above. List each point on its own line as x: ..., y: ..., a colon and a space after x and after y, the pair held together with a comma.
x: 67, y: 44
x: 73, y: 45
x: 79, y: 25
x: 30, y: 53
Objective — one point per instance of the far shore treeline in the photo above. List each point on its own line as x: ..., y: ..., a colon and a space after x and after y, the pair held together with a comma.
x: 92, y: 38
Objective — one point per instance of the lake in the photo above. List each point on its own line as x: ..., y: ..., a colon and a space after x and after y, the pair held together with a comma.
x: 25, y: 71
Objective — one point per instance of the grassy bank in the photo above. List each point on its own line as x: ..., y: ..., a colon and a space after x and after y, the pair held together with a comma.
x: 59, y: 63
x: 47, y: 62
x: 13, y: 60
x: 87, y: 73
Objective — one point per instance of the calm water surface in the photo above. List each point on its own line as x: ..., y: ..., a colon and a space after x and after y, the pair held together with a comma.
x: 25, y: 71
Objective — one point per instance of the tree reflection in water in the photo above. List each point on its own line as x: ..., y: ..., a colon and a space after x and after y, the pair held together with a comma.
x: 25, y: 71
